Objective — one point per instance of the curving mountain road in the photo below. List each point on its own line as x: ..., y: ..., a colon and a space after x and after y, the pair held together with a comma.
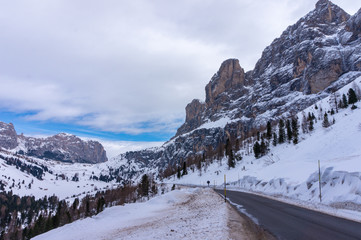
x: 287, y: 221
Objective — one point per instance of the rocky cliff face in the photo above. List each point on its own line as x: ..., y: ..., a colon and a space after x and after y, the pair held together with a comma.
x: 307, y: 59
x: 315, y: 56
x: 62, y: 147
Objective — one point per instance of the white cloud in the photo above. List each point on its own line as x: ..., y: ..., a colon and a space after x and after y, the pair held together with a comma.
x: 128, y: 66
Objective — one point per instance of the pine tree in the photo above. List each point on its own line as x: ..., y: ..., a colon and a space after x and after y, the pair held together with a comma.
x: 325, y: 122
x: 229, y: 154
x: 295, y: 129
x: 281, y: 132
x: 49, y: 223
x: 289, y: 130
x: 274, y: 142
x: 178, y: 172
x: 304, y: 123
x: 87, y: 208
x: 220, y: 151
x: 236, y: 147
x: 228, y: 147
x: 357, y: 90
x: 269, y: 130
x: 344, y: 101
x: 263, y: 148
x: 256, y: 149
x: 310, y: 125
x: 145, y: 185
x: 199, y: 165
x: 185, y: 172
x: 352, y: 98
x: 231, y: 160
x: 100, y: 204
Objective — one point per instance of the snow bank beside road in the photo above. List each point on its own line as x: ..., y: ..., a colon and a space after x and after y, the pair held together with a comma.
x: 181, y: 214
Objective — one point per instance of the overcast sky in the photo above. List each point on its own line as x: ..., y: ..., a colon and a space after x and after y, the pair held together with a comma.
x: 125, y: 70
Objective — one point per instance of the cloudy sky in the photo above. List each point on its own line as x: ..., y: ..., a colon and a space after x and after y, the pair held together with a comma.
x: 125, y: 70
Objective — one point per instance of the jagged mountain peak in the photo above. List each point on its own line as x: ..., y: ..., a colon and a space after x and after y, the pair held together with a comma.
x: 229, y: 75
x: 228, y: 83
x: 354, y: 23
x: 318, y: 22
x: 326, y: 11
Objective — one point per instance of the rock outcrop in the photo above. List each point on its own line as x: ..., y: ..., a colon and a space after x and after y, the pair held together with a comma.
x: 229, y: 76
x: 61, y: 147
x: 8, y: 137
x: 194, y: 111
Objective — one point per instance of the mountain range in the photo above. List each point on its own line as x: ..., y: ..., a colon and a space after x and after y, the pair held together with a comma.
x: 61, y: 147
x: 311, y: 59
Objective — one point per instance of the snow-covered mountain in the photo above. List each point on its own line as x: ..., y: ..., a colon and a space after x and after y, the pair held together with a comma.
x: 318, y: 55
x: 313, y: 58
x: 61, y: 147
x: 290, y: 171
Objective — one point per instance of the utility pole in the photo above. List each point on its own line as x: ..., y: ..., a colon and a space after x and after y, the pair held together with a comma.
x: 319, y: 179
x: 225, y: 198
x: 239, y: 183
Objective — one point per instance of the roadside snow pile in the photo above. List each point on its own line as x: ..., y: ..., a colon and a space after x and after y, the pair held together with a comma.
x: 181, y: 214
x: 291, y: 171
x: 337, y: 187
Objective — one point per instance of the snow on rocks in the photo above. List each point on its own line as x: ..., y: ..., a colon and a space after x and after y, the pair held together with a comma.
x: 290, y: 172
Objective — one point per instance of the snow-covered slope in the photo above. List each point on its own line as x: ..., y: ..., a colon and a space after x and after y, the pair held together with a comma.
x: 31, y: 176
x: 291, y: 171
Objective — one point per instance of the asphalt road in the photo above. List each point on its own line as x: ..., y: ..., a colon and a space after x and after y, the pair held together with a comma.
x: 287, y: 221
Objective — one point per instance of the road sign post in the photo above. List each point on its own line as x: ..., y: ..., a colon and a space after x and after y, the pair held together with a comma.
x: 225, y: 198
x: 319, y: 179
x: 239, y: 182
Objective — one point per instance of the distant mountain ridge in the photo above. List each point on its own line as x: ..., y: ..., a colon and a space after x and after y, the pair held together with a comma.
x: 311, y: 59
x: 61, y: 147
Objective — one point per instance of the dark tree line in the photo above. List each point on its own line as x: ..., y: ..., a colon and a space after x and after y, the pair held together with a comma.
x: 42, y: 215
x: 202, y: 160
x: 33, y: 170
x: 288, y: 130
x: 350, y: 99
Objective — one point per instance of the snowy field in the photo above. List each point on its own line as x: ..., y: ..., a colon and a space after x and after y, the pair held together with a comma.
x: 188, y: 213
x: 59, y: 183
